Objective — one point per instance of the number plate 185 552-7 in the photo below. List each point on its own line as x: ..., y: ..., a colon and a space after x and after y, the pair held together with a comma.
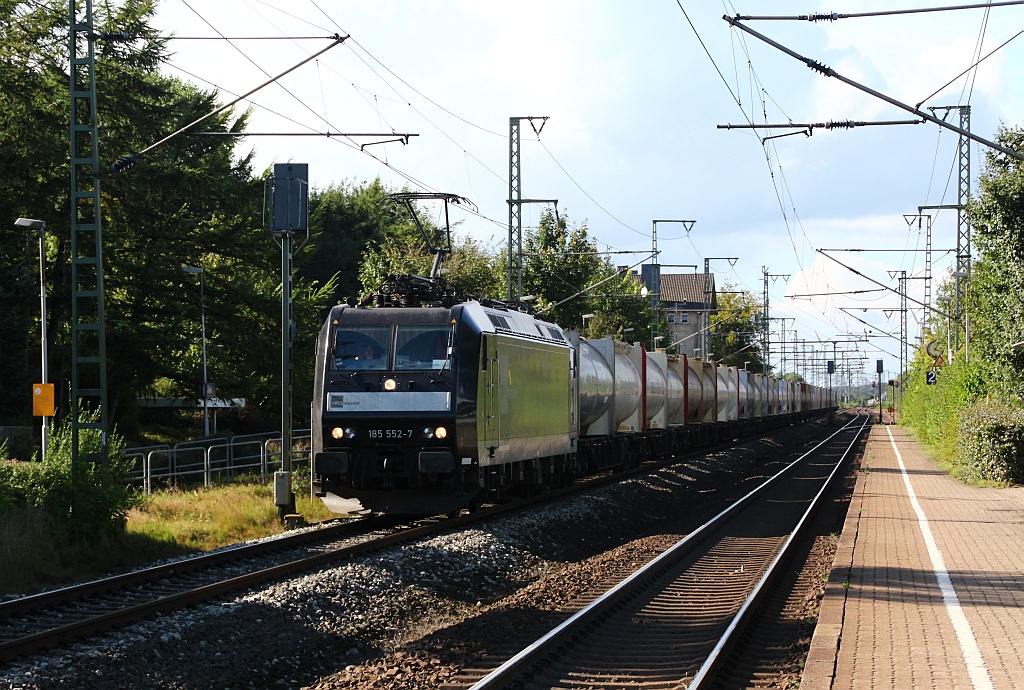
x: 390, y: 434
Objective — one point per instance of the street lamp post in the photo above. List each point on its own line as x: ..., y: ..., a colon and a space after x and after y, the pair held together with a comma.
x: 963, y: 314
x: 41, y: 227
x: 949, y: 347
x: 585, y: 317
x: 202, y: 324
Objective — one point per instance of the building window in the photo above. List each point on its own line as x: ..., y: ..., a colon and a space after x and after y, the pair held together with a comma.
x: 682, y: 318
x: 671, y: 317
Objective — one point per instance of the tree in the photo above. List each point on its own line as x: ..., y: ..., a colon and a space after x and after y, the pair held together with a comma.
x: 735, y: 335
x: 358, y: 226
x: 34, y: 173
x: 994, y: 303
x: 346, y: 220
x: 189, y: 202
x: 619, y: 306
x: 471, y: 269
x: 968, y: 401
x: 563, y: 271
x: 561, y: 262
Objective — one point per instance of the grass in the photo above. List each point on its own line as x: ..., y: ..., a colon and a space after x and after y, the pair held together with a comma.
x: 168, y: 523
x: 204, y: 519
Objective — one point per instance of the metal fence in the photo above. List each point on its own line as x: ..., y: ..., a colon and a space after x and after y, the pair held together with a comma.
x: 209, y: 459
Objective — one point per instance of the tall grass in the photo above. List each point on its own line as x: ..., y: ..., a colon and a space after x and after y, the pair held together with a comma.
x: 167, y: 523
x: 203, y: 519
x: 34, y: 560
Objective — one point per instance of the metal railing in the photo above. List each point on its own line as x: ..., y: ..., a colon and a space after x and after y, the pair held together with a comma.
x: 209, y: 459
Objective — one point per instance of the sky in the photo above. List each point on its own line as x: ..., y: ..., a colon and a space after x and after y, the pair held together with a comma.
x: 635, y: 93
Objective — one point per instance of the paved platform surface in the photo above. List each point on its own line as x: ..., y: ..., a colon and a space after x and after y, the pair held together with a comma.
x: 927, y: 590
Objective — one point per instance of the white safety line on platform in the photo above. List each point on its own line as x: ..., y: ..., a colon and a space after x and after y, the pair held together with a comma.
x: 976, y: 667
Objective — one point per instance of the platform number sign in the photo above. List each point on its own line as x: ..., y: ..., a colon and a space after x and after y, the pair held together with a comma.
x: 931, y: 377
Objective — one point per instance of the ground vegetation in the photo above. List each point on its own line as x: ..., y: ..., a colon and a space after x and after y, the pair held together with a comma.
x: 969, y: 409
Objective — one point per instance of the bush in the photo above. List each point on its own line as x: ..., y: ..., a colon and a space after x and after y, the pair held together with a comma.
x: 933, y: 411
x: 990, y: 444
x: 80, y: 504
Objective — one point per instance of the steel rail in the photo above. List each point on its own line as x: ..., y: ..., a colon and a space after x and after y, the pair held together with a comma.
x: 511, y: 670
x: 719, y: 653
x: 22, y: 605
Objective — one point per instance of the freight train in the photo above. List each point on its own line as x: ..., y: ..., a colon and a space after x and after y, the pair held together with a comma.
x: 425, y: 404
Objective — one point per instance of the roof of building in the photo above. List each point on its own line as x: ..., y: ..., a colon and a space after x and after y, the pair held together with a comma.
x: 686, y: 290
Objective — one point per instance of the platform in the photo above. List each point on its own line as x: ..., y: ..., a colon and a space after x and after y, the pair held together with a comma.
x: 927, y: 589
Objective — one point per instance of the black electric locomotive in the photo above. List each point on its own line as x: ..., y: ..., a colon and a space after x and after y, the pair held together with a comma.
x: 427, y: 409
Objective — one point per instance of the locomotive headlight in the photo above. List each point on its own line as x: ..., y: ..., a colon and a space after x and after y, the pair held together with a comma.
x: 441, y: 432
x: 390, y: 384
x: 428, y: 433
x: 350, y: 432
x: 337, y: 432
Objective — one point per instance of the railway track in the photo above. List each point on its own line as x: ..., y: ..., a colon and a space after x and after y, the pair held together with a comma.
x: 64, y: 616
x: 672, y: 623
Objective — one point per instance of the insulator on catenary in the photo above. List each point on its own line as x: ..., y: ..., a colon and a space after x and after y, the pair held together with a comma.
x: 823, y: 17
x: 114, y: 36
x: 818, y: 67
x: 841, y: 124
x: 122, y: 163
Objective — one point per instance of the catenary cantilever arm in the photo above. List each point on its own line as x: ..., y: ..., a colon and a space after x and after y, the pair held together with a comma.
x: 829, y: 72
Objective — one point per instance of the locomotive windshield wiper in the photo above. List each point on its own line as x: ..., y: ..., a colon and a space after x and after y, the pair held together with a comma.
x: 444, y: 368
x: 448, y: 350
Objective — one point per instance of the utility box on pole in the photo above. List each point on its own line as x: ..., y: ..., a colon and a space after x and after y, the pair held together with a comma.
x: 289, y: 219
x: 290, y: 200
x: 879, y: 368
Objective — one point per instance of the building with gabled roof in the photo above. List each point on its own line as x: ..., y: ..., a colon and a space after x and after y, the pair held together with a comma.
x: 681, y: 301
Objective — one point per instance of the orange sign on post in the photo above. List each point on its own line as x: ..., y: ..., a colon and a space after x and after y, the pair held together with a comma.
x: 42, y: 399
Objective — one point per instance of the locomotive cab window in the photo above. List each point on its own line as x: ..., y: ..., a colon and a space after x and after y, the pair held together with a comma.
x: 423, y: 347
x: 362, y: 348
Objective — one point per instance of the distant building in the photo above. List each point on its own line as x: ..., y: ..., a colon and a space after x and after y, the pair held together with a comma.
x: 682, y: 302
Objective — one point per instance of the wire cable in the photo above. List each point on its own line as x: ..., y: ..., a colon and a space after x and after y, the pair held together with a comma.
x: 587, y: 194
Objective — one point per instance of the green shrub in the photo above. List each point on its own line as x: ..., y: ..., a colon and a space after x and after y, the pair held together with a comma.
x: 81, y: 504
x: 990, y: 444
x: 933, y: 411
